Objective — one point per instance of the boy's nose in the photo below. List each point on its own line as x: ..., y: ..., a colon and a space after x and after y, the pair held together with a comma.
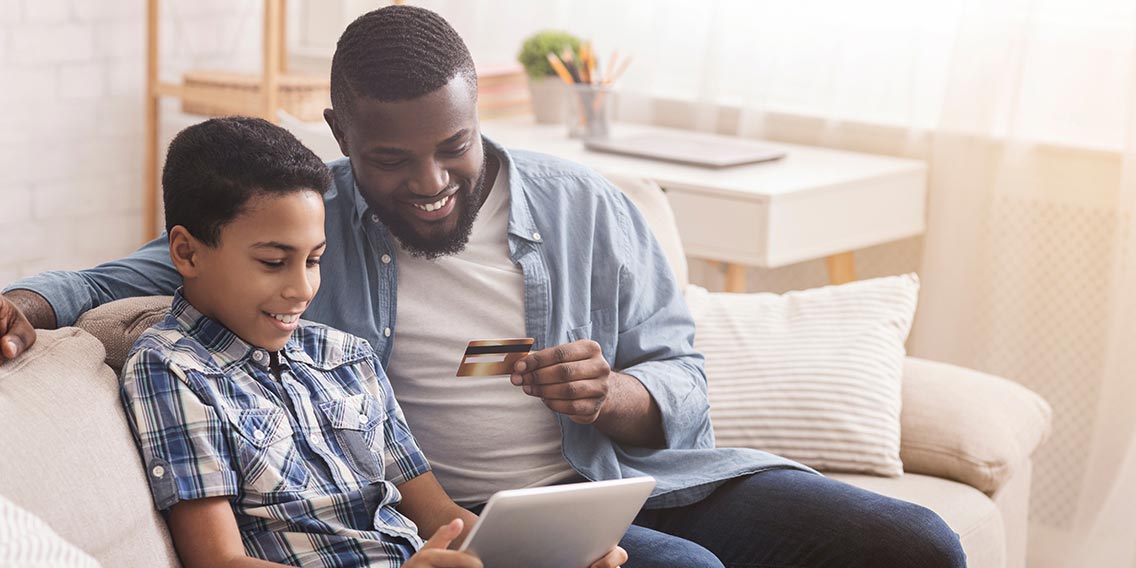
x: 300, y: 287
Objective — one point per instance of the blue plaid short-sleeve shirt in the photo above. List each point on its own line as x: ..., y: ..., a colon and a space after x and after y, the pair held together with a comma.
x: 310, y: 458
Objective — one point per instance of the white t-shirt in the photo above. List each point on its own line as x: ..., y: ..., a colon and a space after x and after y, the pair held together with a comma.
x: 480, y: 434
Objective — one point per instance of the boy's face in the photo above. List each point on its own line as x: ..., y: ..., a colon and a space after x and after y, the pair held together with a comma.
x: 419, y: 164
x: 264, y: 271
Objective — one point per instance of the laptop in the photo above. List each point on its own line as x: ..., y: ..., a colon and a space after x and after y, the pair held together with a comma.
x: 565, y: 526
x: 690, y: 148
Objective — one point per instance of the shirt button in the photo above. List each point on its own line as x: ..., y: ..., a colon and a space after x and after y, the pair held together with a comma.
x: 158, y: 471
x: 387, y: 332
x: 258, y: 356
x: 536, y: 236
x: 259, y: 435
x: 386, y: 259
x: 374, y: 217
x: 363, y: 419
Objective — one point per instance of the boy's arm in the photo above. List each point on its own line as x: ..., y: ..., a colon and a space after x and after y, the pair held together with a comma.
x: 205, y: 534
x: 427, y: 504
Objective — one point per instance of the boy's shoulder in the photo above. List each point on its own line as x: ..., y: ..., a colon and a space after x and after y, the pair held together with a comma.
x: 326, y: 347
x: 168, y: 343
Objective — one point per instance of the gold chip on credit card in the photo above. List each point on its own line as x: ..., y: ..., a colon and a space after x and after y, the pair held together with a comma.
x: 488, y: 357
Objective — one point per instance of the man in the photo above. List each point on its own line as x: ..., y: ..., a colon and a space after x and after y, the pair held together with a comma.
x: 490, y: 243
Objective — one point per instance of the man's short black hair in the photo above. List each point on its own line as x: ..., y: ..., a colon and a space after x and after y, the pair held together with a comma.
x: 397, y: 53
x: 213, y: 169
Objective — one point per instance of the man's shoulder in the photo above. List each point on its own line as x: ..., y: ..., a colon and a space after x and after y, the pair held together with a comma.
x: 326, y: 347
x: 551, y: 180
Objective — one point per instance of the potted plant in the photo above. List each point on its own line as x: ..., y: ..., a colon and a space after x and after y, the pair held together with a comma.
x: 547, y: 91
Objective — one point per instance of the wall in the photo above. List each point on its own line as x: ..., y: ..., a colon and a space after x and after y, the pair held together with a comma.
x: 72, y: 78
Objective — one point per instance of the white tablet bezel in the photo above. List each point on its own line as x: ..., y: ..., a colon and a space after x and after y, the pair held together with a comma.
x: 559, y: 525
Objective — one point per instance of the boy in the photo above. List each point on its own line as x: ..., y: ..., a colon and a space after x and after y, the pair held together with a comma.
x: 265, y: 439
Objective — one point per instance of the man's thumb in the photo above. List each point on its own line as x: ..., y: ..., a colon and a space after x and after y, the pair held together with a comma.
x: 445, y: 535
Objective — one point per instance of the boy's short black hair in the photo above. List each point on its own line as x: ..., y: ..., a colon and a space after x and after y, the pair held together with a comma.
x: 397, y: 53
x: 213, y: 169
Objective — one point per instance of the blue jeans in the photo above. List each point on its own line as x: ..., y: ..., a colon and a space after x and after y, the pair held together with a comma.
x: 782, y: 518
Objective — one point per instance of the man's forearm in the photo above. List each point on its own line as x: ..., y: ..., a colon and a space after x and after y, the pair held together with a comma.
x: 34, y: 307
x: 630, y: 416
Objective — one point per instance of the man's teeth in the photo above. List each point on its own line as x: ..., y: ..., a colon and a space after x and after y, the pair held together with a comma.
x: 285, y: 317
x: 435, y: 205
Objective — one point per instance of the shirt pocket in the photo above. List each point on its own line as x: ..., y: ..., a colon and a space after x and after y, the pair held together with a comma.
x: 268, y: 457
x: 600, y: 329
x: 357, y: 422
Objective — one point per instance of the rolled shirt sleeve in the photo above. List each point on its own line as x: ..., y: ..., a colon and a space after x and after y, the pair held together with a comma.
x: 182, y: 439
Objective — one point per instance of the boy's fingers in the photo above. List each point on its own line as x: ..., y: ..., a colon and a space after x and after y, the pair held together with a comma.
x: 444, y: 535
x: 613, y: 559
x: 448, y: 559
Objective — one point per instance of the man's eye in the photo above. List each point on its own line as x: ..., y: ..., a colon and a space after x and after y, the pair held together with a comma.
x: 457, y: 151
x: 272, y: 263
x: 388, y: 164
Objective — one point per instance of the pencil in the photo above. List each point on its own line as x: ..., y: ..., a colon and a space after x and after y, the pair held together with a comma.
x: 570, y: 64
x: 610, y: 66
x: 618, y: 72
x: 559, y: 68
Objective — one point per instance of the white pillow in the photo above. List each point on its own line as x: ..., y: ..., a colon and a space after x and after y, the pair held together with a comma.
x: 27, y: 542
x: 814, y: 375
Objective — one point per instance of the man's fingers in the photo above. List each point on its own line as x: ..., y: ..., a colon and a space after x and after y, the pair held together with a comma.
x: 575, y: 351
x: 16, y: 333
x: 444, y: 535
x: 589, y: 369
x: 11, y: 346
x: 582, y: 410
x: 575, y: 390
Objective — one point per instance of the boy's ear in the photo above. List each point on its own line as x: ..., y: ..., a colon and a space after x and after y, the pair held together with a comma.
x: 184, y: 251
x: 336, y: 130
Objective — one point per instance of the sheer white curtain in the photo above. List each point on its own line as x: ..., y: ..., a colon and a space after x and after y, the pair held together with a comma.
x: 1025, y: 111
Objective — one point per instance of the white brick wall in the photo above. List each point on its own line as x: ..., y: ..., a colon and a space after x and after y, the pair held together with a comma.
x: 72, y: 76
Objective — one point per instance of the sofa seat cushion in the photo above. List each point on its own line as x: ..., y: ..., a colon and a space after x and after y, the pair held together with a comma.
x: 968, y: 511
x: 69, y: 457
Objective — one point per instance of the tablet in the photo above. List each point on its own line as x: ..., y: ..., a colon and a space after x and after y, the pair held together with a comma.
x: 561, y: 526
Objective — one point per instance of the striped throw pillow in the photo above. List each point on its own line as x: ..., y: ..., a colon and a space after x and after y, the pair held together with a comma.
x: 27, y: 542
x: 812, y: 375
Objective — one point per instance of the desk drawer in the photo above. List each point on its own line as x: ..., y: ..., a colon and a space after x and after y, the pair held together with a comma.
x: 721, y: 228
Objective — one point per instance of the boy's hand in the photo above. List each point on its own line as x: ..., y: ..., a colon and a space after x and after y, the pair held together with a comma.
x: 434, y: 553
x: 572, y: 379
x: 16, y: 333
x: 613, y: 559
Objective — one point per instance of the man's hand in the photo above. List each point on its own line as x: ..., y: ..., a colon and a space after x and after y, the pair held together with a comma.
x: 16, y: 333
x: 434, y: 553
x: 612, y: 559
x: 573, y: 379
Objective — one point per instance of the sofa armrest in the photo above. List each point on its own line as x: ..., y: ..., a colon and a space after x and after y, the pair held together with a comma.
x: 968, y: 426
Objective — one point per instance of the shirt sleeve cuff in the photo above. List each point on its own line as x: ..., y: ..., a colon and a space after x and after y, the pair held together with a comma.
x: 685, y: 410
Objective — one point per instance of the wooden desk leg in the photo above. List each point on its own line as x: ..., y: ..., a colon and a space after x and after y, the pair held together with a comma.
x: 841, y: 268
x: 735, y: 277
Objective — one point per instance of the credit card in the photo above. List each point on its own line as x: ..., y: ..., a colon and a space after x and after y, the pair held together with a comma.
x: 489, y: 357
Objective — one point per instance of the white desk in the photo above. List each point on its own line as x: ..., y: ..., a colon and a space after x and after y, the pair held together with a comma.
x: 814, y: 203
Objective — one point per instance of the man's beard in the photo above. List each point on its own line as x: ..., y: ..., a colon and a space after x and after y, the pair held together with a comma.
x: 451, y: 243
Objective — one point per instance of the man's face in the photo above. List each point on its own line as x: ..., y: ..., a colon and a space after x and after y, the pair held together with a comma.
x: 265, y: 270
x: 419, y: 164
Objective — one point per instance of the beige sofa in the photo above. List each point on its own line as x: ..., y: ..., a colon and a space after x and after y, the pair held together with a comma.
x: 68, y: 456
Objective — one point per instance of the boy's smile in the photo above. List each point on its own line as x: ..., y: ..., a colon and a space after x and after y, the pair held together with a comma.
x: 264, y: 271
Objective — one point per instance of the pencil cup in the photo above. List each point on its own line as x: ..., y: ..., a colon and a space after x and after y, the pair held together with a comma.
x: 589, y: 111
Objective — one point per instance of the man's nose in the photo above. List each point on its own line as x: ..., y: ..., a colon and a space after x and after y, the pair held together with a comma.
x: 430, y: 179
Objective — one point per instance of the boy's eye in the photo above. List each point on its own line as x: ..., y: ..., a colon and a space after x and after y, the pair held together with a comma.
x: 313, y: 262
x: 272, y: 263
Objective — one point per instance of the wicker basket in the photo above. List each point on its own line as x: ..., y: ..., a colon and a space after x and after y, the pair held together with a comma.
x: 229, y: 93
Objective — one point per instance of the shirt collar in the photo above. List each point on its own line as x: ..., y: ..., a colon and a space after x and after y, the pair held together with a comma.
x: 226, y: 347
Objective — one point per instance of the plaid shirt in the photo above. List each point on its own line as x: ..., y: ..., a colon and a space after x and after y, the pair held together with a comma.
x: 310, y: 460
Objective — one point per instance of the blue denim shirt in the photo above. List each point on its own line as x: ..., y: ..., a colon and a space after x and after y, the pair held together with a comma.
x: 592, y: 269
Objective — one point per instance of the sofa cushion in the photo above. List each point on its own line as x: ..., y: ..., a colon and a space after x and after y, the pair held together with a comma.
x: 69, y: 457
x: 814, y: 375
x: 118, y: 324
x: 966, y: 510
x: 968, y: 426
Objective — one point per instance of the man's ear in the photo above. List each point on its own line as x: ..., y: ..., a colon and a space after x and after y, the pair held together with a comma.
x: 184, y: 252
x: 336, y: 130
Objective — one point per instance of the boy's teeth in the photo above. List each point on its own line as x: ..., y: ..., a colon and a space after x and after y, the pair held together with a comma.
x: 286, y: 318
x: 435, y: 205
